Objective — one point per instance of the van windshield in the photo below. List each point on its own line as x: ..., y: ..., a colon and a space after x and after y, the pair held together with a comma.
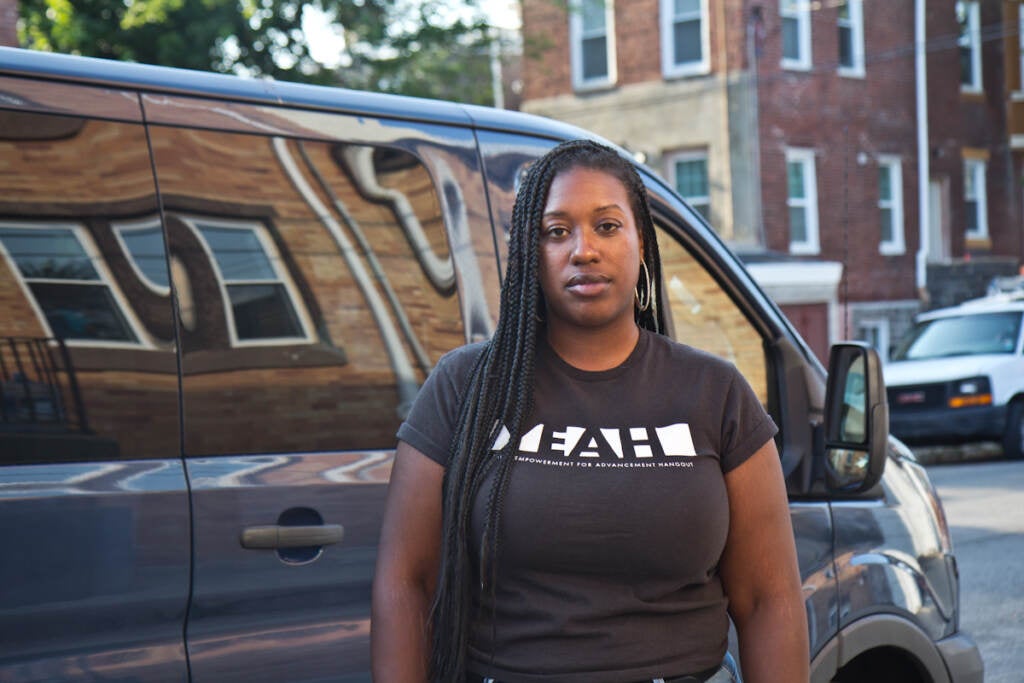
x: 966, y: 335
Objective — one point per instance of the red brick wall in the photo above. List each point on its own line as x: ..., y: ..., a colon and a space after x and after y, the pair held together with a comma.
x: 9, y: 23
x: 848, y: 122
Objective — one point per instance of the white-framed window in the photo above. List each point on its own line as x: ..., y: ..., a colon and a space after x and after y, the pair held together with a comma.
x: 143, y: 242
x: 968, y: 15
x: 684, y: 37
x: 851, y: 38
x: 592, y: 40
x: 795, y: 16
x: 975, y: 199
x: 262, y: 305
x: 689, y: 174
x: 876, y: 333
x: 68, y: 282
x: 890, y: 204
x: 802, y: 200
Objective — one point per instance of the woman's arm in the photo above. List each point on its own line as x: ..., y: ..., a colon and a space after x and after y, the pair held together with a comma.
x: 760, y: 574
x: 407, y: 564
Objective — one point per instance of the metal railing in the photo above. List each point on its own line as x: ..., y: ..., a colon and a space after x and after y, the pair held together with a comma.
x: 32, y: 395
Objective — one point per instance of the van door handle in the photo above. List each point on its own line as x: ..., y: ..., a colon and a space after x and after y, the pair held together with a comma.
x: 274, y: 536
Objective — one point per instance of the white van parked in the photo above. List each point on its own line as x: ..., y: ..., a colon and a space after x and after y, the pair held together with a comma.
x: 958, y: 376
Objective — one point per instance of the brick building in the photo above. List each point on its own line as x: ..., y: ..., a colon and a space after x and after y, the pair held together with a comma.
x: 9, y: 23
x: 793, y: 127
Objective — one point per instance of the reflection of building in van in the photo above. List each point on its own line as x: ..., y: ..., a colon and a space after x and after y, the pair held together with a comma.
x: 277, y: 285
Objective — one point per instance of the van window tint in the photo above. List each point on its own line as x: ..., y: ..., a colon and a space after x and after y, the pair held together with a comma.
x: 702, y: 314
x: 87, y: 355
x: 316, y: 286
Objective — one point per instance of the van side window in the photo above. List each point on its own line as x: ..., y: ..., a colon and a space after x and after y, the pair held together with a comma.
x: 316, y: 286
x: 703, y: 315
x: 87, y: 352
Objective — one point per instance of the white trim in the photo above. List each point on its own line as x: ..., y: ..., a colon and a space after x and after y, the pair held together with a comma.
x: 973, y: 12
x: 856, y: 27
x: 809, y: 202
x: 1020, y: 50
x: 977, y: 169
x: 669, y: 68
x: 106, y: 279
x: 691, y: 155
x: 135, y: 226
x: 576, y: 46
x: 894, y: 203
x: 800, y: 11
x: 270, y: 251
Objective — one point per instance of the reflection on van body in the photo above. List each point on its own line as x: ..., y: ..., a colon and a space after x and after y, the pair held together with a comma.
x: 182, y: 371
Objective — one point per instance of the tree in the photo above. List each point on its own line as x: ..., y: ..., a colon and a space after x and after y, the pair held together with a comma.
x: 432, y: 48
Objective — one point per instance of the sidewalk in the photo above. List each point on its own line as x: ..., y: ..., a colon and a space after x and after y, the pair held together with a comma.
x: 970, y: 452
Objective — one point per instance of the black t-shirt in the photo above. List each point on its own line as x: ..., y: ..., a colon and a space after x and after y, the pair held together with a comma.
x: 615, y: 517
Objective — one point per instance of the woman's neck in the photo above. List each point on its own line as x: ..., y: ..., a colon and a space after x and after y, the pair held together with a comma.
x: 595, y: 349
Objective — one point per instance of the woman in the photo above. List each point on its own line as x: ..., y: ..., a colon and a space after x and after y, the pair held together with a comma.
x: 582, y: 500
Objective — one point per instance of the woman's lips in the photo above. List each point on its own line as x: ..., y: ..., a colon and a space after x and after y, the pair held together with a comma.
x: 588, y: 284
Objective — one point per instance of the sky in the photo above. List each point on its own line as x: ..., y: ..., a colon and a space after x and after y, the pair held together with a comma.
x: 323, y: 42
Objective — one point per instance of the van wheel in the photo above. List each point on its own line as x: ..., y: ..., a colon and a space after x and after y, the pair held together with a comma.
x: 1013, y: 439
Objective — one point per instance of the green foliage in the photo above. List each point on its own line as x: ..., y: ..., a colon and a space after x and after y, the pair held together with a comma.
x: 430, y: 48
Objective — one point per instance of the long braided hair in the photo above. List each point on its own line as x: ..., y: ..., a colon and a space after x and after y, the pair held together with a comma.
x: 499, y: 393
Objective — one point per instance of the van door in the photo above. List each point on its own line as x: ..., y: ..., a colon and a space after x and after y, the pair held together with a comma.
x: 93, y: 502
x: 712, y: 306
x: 322, y: 264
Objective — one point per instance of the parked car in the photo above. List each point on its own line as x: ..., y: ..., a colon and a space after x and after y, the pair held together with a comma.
x: 958, y: 376
x: 219, y: 297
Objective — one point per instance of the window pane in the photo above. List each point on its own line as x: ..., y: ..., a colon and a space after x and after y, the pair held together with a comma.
x: 795, y: 175
x: 593, y: 15
x: 971, y: 215
x: 884, y: 183
x: 692, y: 178
x: 146, y: 247
x: 82, y: 312
x: 239, y: 254
x: 790, y: 38
x: 687, y: 7
x: 48, y: 253
x: 844, y: 11
x: 797, y: 224
x: 687, y: 42
x: 845, y: 46
x: 886, y: 216
x: 703, y: 208
x: 263, y: 312
x: 969, y: 184
x: 703, y: 315
x: 595, y: 58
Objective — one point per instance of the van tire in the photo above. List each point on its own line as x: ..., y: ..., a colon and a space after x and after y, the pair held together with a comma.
x: 1013, y: 438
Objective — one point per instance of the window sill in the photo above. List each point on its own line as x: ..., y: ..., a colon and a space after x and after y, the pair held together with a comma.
x: 1017, y: 96
x: 795, y: 66
x: 972, y: 94
x: 593, y: 87
x: 686, y: 71
x: 851, y: 72
x: 804, y: 250
x: 978, y: 242
x: 892, y: 249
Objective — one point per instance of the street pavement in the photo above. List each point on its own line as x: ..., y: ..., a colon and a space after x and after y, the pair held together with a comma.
x: 983, y: 496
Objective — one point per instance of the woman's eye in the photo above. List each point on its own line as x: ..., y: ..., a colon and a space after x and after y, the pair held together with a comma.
x: 607, y: 226
x: 556, y: 231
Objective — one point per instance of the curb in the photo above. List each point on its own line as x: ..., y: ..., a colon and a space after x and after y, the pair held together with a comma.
x: 960, y: 453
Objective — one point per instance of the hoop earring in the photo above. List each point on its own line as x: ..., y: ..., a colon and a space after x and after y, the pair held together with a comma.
x: 640, y: 303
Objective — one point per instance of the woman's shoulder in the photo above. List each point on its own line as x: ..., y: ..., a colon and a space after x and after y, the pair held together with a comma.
x: 459, y: 361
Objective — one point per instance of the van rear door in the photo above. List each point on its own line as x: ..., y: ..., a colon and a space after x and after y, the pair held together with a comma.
x: 94, y: 508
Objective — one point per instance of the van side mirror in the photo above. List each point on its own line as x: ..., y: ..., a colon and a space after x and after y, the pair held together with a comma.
x: 856, y: 419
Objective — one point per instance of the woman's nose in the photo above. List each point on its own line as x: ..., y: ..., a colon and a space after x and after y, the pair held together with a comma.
x: 583, y: 248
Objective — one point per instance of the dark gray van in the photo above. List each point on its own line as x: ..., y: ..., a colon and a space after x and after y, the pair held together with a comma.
x: 217, y: 299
